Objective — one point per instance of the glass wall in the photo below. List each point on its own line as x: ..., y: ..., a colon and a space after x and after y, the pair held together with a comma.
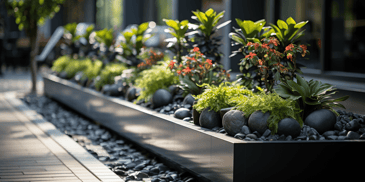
x: 348, y: 36
x: 109, y: 14
x: 309, y: 10
x: 164, y: 10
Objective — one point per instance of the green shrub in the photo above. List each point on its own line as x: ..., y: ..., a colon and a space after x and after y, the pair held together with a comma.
x: 75, y: 66
x: 93, y: 69
x: 278, y: 107
x: 107, y: 74
x: 158, y: 77
x: 218, y: 97
x: 60, y: 64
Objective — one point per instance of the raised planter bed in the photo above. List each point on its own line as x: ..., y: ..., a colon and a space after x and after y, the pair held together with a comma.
x: 212, y: 155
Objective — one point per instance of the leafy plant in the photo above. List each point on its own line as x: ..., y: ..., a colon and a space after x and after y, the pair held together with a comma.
x: 150, y: 57
x: 107, y: 74
x: 29, y: 15
x: 268, y: 59
x: 75, y: 66
x: 195, y: 70
x: 93, y: 69
x: 158, y: 77
x: 178, y: 43
x: 218, y: 97
x: 287, y: 32
x: 70, y: 29
x: 207, y: 26
x: 105, y: 36
x: 278, y: 107
x: 131, y: 49
x: 60, y: 64
x: 310, y: 95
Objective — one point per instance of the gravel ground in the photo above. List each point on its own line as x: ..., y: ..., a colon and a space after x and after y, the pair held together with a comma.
x: 127, y: 160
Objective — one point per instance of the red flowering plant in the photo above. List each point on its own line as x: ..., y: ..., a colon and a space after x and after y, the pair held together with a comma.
x: 150, y: 57
x: 269, y: 52
x: 195, y: 70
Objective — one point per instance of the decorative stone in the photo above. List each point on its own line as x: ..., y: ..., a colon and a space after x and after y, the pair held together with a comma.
x: 245, y: 130
x: 343, y: 133
x: 131, y: 94
x: 338, y: 126
x: 210, y: 119
x: 63, y: 75
x: 196, y: 116
x: 106, y: 89
x: 329, y: 133
x: 182, y: 113
x: 258, y: 121
x: 266, y: 133
x: 240, y: 136
x: 115, y: 90
x: 289, y: 126
x: 174, y: 89
x: 351, y: 135
x: 233, y: 121
x: 322, y: 120
x: 189, y: 99
x: 224, y: 111
x: 353, y: 125
x: 161, y: 97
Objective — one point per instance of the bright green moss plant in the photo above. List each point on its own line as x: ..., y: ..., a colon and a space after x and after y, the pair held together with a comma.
x: 93, y: 69
x: 60, y: 64
x: 278, y: 107
x: 75, y: 66
x: 107, y: 74
x: 158, y: 77
x: 218, y: 97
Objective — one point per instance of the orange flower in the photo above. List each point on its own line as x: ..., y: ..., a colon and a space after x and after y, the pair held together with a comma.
x: 172, y: 63
x: 196, y: 49
x: 290, y: 56
x: 265, y: 46
x: 201, y: 66
x: 260, y: 62
x: 187, y: 70
x: 209, y: 61
x: 289, y: 47
x: 251, y: 55
x: 304, y: 47
x: 257, y: 45
x: 249, y: 43
x: 273, y: 41
x: 178, y: 72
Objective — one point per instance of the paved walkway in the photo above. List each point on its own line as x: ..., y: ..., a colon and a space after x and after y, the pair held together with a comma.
x: 19, y: 80
x: 37, y: 151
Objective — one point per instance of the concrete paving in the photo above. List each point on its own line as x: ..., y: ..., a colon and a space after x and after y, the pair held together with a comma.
x: 31, y: 149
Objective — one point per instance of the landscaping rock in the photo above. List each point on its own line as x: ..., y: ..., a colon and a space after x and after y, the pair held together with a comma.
x: 182, y: 113
x: 351, y: 135
x: 322, y: 120
x: 353, y: 125
x: 161, y: 97
x: 63, y: 75
x: 245, y: 130
x: 196, y: 115
x: 289, y: 126
x: 210, y: 119
x: 258, y: 121
x: 233, y: 121
x: 131, y: 93
x: 189, y: 99
x: 224, y: 111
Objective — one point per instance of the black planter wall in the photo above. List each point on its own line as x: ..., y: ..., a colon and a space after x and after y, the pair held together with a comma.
x: 215, y: 156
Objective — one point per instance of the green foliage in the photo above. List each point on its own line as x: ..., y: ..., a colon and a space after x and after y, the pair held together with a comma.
x: 28, y: 13
x: 93, y: 69
x: 75, y: 66
x: 287, y: 32
x: 158, y: 77
x: 278, y: 107
x: 88, y: 32
x: 60, y: 64
x: 128, y: 45
x: 177, y: 30
x: 71, y: 29
x: 107, y: 74
x: 196, y: 70
x: 312, y: 93
x: 218, y: 97
x: 208, y: 21
x: 250, y: 31
x: 105, y: 36
x: 206, y: 27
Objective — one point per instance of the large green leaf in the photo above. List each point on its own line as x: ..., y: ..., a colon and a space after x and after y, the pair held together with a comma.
x: 172, y: 23
x: 282, y: 24
x: 142, y: 28
x: 237, y: 38
x: 296, y: 87
x: 304, y: 84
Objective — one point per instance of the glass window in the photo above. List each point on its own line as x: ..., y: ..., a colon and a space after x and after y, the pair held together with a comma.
x: 310, y: 10
x: 164, y: 10
x: 348, y: 38
x: 109, y: 14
